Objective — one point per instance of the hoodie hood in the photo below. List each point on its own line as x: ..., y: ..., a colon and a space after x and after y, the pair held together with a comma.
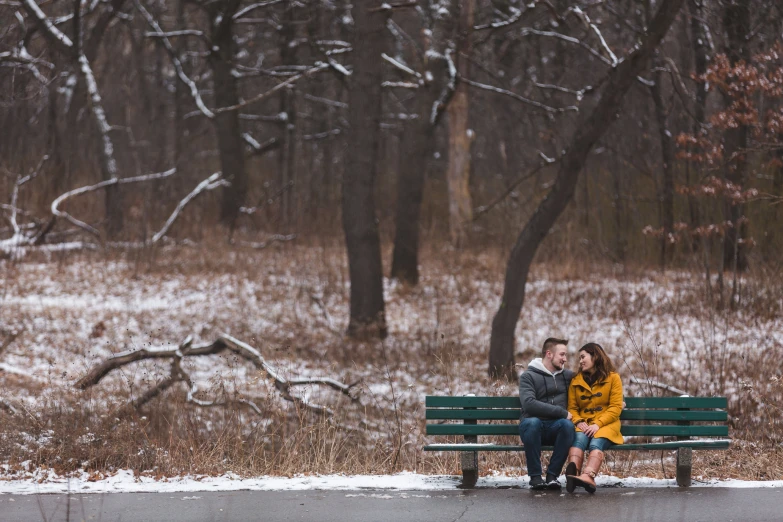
x: 538, y: 364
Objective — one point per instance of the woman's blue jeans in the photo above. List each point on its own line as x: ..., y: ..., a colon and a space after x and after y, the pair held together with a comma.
x: 536, y: 432
x: 583, y: 442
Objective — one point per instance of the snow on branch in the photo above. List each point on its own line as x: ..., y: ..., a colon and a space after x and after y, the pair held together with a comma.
x: 399, y: 65
x: 222, y: 343
x: 570, y: 39
x: 253, y: 7
x: 106, y: 152
x: 51, y: 32
x: 400, y: 85
x: 174, y: 60
x: 210, y: 183
x: 174, y: 34
x: 579, y: 94
x: 260, y: 148
x: 588, y: 23
x: 440, y: 104
x: 516, y: 14
x: 57, y: 212
x: 520, y: 98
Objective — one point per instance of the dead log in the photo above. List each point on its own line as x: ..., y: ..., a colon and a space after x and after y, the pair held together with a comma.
x: 224, y: 342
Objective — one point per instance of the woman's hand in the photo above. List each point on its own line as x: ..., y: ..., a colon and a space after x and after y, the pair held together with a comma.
x: 591, y: 430
x: 582, y: 426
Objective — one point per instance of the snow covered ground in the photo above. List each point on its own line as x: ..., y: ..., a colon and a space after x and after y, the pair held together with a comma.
x: 292, y: 306
x: 125, y: 482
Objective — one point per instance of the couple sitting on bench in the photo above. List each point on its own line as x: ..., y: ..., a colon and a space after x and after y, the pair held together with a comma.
x: 572, y: 412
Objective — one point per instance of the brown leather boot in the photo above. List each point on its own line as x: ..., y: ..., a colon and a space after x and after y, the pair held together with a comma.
x: 575, y: 458
x: 587, y: 478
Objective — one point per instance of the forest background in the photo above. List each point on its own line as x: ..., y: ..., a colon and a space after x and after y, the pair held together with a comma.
x: 407, y: 196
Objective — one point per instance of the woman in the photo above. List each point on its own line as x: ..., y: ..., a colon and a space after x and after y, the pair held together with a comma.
x: 595, y: 400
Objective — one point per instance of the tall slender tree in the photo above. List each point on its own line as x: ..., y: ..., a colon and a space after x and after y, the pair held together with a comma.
x: 360, y: 224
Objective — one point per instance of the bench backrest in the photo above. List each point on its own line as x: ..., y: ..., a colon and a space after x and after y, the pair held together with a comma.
x: 683, y: 417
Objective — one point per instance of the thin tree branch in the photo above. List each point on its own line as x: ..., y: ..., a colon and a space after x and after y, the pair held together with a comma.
x: 522, y: 99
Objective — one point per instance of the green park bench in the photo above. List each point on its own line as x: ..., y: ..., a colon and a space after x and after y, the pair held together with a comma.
x: 679, y: 419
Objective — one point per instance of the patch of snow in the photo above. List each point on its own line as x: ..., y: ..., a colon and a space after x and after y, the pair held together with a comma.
x: 124, y: 481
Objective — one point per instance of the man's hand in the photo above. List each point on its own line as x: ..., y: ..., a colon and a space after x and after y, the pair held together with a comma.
x: 591, y: 430
x: 569, y: 416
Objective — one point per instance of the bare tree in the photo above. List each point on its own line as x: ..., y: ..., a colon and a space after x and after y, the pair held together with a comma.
x: 590, y: 127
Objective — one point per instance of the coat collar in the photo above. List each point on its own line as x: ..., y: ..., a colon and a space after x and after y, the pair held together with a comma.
x: 578, y: 380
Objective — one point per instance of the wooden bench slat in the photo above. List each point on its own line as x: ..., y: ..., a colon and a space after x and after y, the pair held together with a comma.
x: 672, y: 445
x: 674, y: 415
x: 513, y: 414
x: 676, y: 402
x: 627, y: 430
x: 434, y: 401
x: 679, y: 431
x: 473, y: 414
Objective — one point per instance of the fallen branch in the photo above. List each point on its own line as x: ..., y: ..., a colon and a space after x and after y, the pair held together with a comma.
x: 103, y: 184
x: 660, y: 385
x: 222, y: 343
x: 277, y: 238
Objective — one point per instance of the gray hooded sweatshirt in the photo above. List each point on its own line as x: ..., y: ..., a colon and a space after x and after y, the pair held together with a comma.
x: 544, y: 394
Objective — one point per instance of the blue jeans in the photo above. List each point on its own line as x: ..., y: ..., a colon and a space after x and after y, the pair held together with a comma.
x: 583, y: 442
x: 536, y: 432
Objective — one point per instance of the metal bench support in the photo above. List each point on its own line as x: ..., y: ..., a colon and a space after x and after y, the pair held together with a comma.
x: 684, y: 467
x: 469, y: 459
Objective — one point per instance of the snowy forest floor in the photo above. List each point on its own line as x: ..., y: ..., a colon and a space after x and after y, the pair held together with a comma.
x: 69, y: 311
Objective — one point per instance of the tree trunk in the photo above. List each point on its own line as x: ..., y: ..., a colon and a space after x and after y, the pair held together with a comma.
x: 589, y: 129
x: 360, y: 224
x: 666, y: 196
x: 699, y: 43
x: 737, y: 25
x: 458, y: 173
x: 418, y: 142
x: 229, y: 138
x: 418, y: 146
x: 287, y: 107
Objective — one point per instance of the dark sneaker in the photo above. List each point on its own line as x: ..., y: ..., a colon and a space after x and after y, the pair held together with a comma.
x: 537, y: 482
x: 552, y: 482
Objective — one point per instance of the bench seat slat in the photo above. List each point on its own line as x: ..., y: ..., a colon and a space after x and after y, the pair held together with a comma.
x: 700, y: 444
x: 627, y: 430
x: 679, y: 431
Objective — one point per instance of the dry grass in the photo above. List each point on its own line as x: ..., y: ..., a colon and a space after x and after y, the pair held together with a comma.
x: 291, y: 302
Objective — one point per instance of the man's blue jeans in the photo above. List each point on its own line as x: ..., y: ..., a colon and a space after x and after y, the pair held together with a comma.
x: 536, y: 432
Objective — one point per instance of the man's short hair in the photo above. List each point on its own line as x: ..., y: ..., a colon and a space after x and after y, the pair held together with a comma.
x: 550, y: 344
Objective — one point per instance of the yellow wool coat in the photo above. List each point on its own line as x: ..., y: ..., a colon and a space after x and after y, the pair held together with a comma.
x: 600, y: 404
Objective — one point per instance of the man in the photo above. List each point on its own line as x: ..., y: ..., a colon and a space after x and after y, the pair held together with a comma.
x: 545, y: 420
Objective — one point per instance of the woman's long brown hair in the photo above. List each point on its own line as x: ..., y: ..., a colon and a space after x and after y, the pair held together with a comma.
x: 602, y: 364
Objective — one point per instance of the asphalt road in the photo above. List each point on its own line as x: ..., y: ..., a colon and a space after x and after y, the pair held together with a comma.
x: 642, y: 504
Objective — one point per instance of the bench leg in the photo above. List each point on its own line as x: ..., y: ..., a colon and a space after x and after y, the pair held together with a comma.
x: 684, y: 467
x: 469, y: 461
